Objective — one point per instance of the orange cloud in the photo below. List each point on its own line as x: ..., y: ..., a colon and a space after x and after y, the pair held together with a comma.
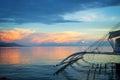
x: 15, y: 34
x: 29, y: 36
x: 58, y: 37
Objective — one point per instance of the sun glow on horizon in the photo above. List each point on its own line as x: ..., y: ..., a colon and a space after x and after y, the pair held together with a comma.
x: 29, y: 36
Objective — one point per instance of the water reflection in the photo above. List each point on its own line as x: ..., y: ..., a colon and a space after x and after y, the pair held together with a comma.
x: 12, y: 56
x: 41, y: 55
x: 34, y: 55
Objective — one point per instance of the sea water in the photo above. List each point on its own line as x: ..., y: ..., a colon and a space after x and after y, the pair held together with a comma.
x: 34, y: 63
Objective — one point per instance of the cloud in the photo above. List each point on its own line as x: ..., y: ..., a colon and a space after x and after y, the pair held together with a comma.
x: 90, y: 16
x: 82, y: 16
x: 27, y: 36
x: 64, y: 37
x: 47, y: 11
x: 14, y: 35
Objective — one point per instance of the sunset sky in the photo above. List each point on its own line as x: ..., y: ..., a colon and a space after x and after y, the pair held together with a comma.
x: 32, y: 22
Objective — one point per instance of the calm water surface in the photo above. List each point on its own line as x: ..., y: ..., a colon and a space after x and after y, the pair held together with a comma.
x: 33, y: 63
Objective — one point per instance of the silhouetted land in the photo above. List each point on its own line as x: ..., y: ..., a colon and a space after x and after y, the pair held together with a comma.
x: 3, y: 44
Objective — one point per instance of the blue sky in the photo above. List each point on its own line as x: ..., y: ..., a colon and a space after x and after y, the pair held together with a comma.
x: 46, y: 21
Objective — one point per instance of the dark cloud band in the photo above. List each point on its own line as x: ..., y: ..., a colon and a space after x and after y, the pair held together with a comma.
x: 46, y: 11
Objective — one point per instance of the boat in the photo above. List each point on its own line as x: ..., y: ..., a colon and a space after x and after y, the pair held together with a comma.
x: 116, y: 45
x: 93, y: 63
